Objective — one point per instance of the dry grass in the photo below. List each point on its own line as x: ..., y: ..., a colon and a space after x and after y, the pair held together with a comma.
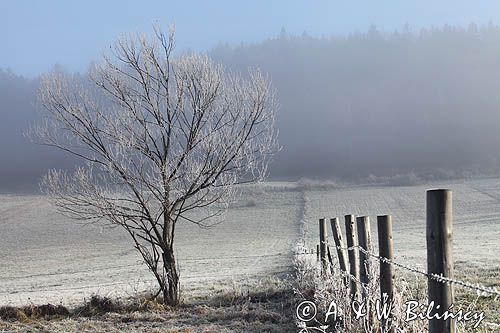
x: 323, y: 290
x: 258, y: 306
x: 33, y: 312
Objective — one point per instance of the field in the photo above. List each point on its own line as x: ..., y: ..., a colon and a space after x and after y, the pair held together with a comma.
x: 45, y: 258
x: 476, y: 213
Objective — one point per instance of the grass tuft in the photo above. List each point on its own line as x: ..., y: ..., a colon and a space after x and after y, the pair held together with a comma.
x: 24, y: 314
x: 98, y: 305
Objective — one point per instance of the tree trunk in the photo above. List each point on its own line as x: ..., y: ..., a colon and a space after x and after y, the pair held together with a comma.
x: 171, y: 287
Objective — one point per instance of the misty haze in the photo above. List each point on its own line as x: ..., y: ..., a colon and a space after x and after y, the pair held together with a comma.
x: 416, y: 103
x: 238, y: 128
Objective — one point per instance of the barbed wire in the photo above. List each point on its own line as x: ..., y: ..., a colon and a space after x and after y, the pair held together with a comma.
x: 365, y: 287
x: 438, y: 278
x: 435, y: 277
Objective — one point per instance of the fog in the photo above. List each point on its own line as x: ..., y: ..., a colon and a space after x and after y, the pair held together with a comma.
x: 426, y: 103
x: 368, y: 106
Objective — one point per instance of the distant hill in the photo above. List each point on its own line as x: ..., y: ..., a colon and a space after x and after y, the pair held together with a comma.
x: 383, y: 104
x: 359, y: 107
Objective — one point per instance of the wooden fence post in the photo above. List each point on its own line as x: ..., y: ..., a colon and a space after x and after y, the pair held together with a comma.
x: 386, y: 250
x: 352, y: 241
x: 322, y: 245
x: 317, y: 252
x: 364, y: 240
x: 440, y: 256
x: 339, y: 244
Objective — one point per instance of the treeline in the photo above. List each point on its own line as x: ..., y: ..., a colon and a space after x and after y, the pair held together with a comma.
x: 425, y: 103
x: 22, y: 163
x: 366, y: 106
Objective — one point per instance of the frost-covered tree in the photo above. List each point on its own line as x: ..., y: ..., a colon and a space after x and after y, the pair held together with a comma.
x: 164, y: 140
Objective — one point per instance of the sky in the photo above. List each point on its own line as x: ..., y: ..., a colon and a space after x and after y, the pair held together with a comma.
x: 36, y: 35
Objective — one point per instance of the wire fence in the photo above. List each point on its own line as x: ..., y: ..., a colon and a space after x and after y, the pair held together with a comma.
x: 473, y: 286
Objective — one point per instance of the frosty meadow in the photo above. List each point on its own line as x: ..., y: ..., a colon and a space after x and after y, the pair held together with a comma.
x: 229, y: 166
x: 257, y: 240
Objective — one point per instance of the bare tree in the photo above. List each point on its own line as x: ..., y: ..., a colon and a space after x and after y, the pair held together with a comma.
x: 164, y: 139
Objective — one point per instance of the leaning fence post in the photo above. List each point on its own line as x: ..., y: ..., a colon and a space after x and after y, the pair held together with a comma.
x: 386, y: 250
x: 440, y: 257
x: 364, y: 240
x: 352, y: 242
x: 339, y: 244
x: 322, y: 245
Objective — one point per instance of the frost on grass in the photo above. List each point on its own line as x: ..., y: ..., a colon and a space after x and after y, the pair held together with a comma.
x: 330, y: 288
x: 258, y: 306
